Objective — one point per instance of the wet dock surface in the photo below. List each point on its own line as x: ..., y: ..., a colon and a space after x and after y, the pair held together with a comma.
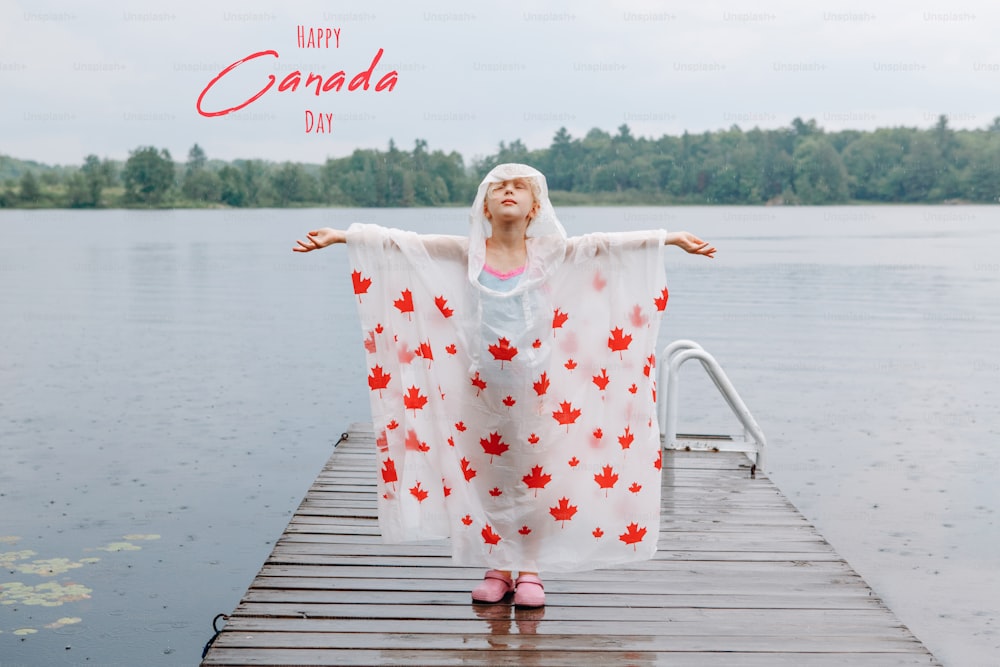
x: 740, y: 578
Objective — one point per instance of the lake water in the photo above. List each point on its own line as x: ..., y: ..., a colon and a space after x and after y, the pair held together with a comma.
x: 171, y: 383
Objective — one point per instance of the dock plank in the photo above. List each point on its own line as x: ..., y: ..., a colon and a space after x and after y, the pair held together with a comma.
x: 740, y: 578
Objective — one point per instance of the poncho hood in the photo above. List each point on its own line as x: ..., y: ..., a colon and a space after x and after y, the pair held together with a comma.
x: 546, y: 237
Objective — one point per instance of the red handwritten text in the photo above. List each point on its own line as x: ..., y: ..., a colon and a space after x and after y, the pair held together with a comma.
x: 292, y: 81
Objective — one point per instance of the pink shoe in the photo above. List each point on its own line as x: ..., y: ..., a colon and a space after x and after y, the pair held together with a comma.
x: 494, y: 587
x: 530, y: 593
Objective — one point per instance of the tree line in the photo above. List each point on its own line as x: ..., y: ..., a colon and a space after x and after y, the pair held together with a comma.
x: 798, y: 164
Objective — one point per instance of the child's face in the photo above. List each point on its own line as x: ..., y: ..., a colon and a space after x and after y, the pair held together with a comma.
x: 510, y: 201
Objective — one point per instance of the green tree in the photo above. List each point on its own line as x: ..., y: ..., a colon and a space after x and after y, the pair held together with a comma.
x: 29, y: 191
x: 148, y: 176
x: 200, y: 184
x: 820, y: 176
x: 869, y: 159
x: 918, y: 171
x: 292, y: 185
x: 559, y: 168
x: 196, y: 158
x: 85, y: 187
x: 983, y: 178
x: 232, y: 189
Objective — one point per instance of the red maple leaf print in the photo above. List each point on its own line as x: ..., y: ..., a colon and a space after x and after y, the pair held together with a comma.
x: 650, y: 365
x: 573, y: 462
x: 537, y: 479
x: 404, y: 354
x: 378, y: 328
x: 626, y: 439
x: 451, y: 349
x: 633, y: 389
x: 542, y: 384
x: 424, y: 350
x: 467, y: 519
x: 493, y: 445
x: 533, y: 439
x: 524, y: 530
x: 478, y: 383
x: 489, y: 537
x: 537, y: 344
x: 445, y: 488
x: 451, y: 441
x: 602, y: 380
x: 414, y: 400
x: 661, y: 301
x: 418, y: 493
x: 389, y: 472
x: 442, y: 304
x: 495, y: 491
x: 566, y: 415
x: 382, y: 442
x: 598, y: 533
x: 599, y: 281
x: 378, y: 380
x: 633, y: 533
x: 570, y: 364
x: 637, y: 317
x: 658, y: 463
x: 509, y: 401
x: 619, y: 341
x: 606, y: 479
x: 502, y: 351
x: 563, y: 511
x: 635, y: 488
x: 558, y: 319
x: 413, y: 442
x: 460, y: 426
x: 467, y: 469
x: 405, y: 302
x: 370, y: 343
x: 361, y: 284
x: 393, y: 425
x: 598, y: 433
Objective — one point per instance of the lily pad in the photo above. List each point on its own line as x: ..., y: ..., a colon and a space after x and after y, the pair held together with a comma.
x: 119, y: 546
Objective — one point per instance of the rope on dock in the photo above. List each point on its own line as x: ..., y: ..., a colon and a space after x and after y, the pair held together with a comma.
x: 217, y: 629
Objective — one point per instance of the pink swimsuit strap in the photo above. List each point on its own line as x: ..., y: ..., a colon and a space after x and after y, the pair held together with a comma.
x: 503, y: 275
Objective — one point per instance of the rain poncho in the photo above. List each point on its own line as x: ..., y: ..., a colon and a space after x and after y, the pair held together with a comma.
x: 521, y: 424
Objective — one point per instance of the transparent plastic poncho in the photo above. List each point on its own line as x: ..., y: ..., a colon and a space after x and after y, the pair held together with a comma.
x: 519, y: 424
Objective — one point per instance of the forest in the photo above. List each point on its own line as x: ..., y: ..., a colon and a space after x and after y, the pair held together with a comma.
x: 800, y: 164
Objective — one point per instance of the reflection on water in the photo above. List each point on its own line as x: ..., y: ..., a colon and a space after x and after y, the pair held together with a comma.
x: 183, y: 374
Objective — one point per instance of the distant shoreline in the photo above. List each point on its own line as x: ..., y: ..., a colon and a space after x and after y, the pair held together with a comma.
x: 570, y: 202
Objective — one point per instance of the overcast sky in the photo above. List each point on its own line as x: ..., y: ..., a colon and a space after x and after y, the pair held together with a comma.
x: 110, y: 76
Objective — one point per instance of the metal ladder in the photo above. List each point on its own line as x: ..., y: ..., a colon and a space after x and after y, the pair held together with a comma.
x: 752, y: 441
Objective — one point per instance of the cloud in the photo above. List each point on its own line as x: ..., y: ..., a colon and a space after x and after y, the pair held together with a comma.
x: 108, y: 77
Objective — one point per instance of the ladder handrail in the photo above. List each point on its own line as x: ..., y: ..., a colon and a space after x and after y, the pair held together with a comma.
x: 675, y: 354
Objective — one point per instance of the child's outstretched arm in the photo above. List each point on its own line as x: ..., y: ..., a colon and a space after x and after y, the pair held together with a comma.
x: 688, y: 242
x: 320, y: 238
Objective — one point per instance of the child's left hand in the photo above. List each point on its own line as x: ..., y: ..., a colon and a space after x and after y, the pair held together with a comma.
x: 688, y: 242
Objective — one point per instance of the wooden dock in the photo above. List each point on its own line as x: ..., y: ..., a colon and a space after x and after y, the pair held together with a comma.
x: 741, y: 578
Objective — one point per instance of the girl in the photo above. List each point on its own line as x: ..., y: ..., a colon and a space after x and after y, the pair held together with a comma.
x: 512, y: 389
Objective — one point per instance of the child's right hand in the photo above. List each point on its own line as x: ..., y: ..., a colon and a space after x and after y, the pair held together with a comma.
x: 320, y: 238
